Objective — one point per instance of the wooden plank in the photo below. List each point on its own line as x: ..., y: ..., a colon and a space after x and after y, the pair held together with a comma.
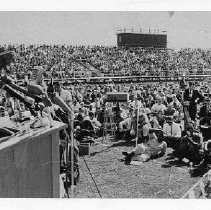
x: 55, y: 165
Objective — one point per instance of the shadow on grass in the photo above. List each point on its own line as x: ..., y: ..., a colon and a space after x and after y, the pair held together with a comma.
x: 123, y: 144
x: 175, y: 163
x: 116, y: 144
x: 95, y: 153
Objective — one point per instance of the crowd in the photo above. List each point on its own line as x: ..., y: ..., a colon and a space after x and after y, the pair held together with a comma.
x: 162, y: 122
x: 154, y: 113
x: 68, y: 61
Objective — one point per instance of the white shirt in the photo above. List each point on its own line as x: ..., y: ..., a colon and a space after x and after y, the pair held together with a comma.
x: 136, y: 104
x: 127, y: 122
x: 172, y: 130
x: 123, y: 114
x: 156, y: 108
x: 66, y: 96
x: 146, y: 110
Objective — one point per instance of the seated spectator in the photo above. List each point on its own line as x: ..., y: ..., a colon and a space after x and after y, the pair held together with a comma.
x: 203, y: 167
x: 2, y: 111
x: 80, y: 113
x: 75, y: 106
x: 125, y: 130
x: 136, y: 103
x: 96, y: 124
x: 143, y: 127
x: 204, y: 108
x: 84, y: 129
x: 205, y: 126
x: 154, y: 147
x: 123, y: 112
x: 172, y: 133
x: 175, y: 103
x: 170, y: 110
x: 160, y: 118
x: 190, y: 145
x: 154, y: 121
x: 159, y: 106
x: 146, y: 110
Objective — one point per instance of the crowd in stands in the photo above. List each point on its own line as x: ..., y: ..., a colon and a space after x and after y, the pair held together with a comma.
x: 88, y: 61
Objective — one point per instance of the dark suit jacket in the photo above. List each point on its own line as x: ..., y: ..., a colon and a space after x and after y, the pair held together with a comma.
x: 195, y: 95
x: 203, y: 111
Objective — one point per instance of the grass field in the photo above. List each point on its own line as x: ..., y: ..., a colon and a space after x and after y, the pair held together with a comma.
x: 109, y: 177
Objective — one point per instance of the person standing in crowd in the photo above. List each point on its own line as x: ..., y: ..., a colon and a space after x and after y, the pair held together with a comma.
x: 193, y: 97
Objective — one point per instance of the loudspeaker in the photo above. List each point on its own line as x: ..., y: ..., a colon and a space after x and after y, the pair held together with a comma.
x: 118, y: 97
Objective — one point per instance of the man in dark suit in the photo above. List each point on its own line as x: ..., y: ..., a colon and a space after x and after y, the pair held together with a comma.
x: 193, y: 97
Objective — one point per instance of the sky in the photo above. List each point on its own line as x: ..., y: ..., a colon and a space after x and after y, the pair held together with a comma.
x: 184, y: 29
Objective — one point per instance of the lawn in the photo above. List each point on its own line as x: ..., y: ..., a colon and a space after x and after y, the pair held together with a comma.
x: 107, y: 176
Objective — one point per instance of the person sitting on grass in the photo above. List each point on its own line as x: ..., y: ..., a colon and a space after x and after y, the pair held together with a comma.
x: 95, y: 123
x: 172, y: 133
x: 204, y: 165
x: 155, y: 147
x: 84, y: 129
x: 190, y: 145
x: 205, y: 126
x: 125, y: 130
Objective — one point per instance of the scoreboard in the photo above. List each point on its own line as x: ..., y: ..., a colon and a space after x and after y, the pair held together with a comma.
x: 142, y: 40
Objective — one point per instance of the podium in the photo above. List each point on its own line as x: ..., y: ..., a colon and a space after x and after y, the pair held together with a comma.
x: 29, y: 164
